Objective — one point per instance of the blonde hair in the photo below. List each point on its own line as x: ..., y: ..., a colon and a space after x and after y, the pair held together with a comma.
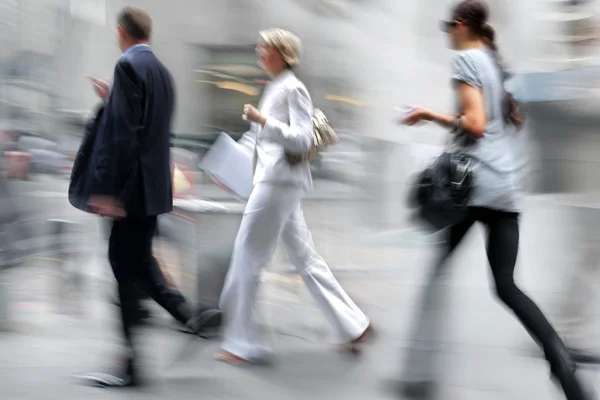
x: 285, y: 42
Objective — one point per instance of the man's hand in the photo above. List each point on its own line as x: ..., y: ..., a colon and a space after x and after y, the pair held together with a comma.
x: 107, y: 206
x: 101, y: 87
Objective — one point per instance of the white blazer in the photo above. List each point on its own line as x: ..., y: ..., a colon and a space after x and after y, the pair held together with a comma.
x: 287, y: 105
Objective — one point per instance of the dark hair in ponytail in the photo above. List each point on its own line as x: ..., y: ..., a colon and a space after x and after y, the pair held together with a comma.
x: 488, y: 34
x: 475, y: 14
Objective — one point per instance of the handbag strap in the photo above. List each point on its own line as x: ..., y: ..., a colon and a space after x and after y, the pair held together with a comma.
x: 455, y: 150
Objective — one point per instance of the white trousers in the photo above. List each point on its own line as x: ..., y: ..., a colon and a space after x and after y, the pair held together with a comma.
x: 274, y: 212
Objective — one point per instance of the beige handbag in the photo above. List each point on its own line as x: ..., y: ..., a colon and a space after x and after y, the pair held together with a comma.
x: 323, y: 137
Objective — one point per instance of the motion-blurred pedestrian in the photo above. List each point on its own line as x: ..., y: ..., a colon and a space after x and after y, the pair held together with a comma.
x: 129, y: 181
x: 281, y: 130
x: 484, y: 127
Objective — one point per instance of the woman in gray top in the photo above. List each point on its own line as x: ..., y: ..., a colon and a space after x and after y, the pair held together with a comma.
x: 486, y: 127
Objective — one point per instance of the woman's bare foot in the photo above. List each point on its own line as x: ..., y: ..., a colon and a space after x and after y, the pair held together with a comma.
x: 355, y: 346
x: 231, y: 358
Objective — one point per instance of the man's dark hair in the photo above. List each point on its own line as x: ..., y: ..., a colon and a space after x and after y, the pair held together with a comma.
x: 136, y: 22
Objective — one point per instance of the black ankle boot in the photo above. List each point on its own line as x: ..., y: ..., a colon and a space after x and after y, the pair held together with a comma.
x: 572, y: 385
x: 564, y: 373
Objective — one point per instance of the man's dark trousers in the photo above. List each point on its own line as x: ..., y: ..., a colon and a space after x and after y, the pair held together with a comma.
x: 132, y: 261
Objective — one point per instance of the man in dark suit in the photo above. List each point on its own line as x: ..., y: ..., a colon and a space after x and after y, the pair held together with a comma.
x: 129, y: 180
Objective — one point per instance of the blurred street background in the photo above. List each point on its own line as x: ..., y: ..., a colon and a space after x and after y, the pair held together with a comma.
x: 361, y: 59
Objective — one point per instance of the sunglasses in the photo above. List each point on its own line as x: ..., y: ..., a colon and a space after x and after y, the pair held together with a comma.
x: 446, y: 26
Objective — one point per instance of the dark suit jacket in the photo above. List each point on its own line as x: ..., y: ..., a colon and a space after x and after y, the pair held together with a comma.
x: 78, y: 196
x: 131, y: 155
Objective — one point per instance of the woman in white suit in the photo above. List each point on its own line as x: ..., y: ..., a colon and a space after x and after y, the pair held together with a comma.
x: 281, y: 127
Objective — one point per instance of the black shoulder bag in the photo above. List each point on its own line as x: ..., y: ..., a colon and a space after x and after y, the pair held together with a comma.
x: 441, y: 193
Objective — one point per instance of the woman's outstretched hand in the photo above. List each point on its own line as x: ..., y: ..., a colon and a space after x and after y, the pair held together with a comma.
x: 416, y: 115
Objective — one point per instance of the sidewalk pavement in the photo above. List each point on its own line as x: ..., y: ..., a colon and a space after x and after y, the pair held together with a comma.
x: 485, y: 353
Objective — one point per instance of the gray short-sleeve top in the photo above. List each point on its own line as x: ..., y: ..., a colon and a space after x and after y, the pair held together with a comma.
x: 500, y: 150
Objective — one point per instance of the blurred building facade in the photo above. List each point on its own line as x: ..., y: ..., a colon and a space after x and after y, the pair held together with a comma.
x: 361, y: 59
x: 209, y: 48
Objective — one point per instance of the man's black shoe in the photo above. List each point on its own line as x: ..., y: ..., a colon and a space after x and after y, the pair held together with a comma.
x: 422, y: 390
x: 206, y: 323
x: 122, y: 377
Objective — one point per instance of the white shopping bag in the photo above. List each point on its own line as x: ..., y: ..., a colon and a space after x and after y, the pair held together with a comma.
x: 229, y: 165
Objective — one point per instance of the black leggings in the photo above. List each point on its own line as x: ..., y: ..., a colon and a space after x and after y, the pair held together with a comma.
x: 502, y: 247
